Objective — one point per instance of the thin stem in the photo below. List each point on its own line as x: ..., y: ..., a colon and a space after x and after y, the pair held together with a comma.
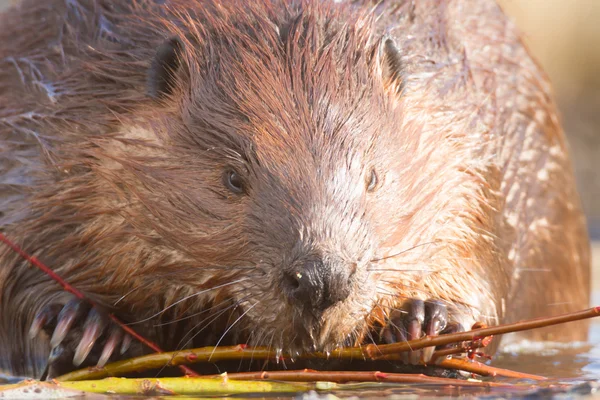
x: 375, y: 352
x: 478, y: 368
x: 308, y: 375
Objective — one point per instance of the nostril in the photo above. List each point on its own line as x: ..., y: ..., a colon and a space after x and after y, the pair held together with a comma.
x: 292, y: 280
x: 304, y: 284
x: 316, y: 286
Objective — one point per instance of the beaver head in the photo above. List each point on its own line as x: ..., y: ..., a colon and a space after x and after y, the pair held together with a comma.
x: 284, y: 132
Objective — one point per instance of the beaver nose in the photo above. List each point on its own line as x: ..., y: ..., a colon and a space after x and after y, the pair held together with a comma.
x: 315, y: 286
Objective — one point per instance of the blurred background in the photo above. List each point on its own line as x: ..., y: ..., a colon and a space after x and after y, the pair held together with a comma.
x: 564, y: 35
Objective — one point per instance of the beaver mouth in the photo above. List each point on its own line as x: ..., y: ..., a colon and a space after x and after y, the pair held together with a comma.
x: 311, y: 333
x: 293, y: 321
x: 305, y: 339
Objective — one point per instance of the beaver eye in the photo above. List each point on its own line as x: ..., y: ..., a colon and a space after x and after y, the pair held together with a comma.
x: 372, y: 181
x: 233, y: 181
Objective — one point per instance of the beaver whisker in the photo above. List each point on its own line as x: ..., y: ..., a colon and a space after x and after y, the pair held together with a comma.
x: 424, y: 263
x: 181, y: 346
x: 144, y: 285
x: 216, y: 306
x: 131, y: 291
x: 270, y: 346
x: 249, y: 339
x: 397, y: 301
x: 229, y: 267
x: 293, y: 338
x: 370, y: 336
x: 491, y: 317
x: 186, y: 298
x: 404, y: 251
x: 388, y: 307
x: 383, y: 291
x: 231, y: 326
x: 401, y: 270
x: 450, y: 301
x: 358, y: 335
x: 406, y: 286
x: 280, y: 350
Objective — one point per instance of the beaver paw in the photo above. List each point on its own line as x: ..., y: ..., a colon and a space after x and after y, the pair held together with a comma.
x: 76, y: 329
x: 414, y: 320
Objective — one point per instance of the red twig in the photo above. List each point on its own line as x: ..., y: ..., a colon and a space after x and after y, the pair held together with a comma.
x: 478, y: 368
x: 48, y: 271
x: 376, y: 352
x: 308, y: 375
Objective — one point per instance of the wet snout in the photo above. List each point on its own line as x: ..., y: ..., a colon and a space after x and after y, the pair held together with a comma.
x: 315, y: 285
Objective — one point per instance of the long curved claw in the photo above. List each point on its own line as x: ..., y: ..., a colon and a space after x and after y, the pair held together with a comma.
x: 46, y: 316
x: 68, y: 315
x: 436, y: 318
x: 416, y: 319
x: 126, y: 344
x: 93, y: 328
x: 413, y: 321
x: 114, y: 339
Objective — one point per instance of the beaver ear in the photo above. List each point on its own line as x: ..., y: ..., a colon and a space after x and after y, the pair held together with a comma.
x: 162, y: 72
x: 392, y: 66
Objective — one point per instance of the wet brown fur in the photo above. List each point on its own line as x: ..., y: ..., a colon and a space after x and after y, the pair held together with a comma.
x: 121, y: 194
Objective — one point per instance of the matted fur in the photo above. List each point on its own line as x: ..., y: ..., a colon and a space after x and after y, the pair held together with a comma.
x: 122, y: 194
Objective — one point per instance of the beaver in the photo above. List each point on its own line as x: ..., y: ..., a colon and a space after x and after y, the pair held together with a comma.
x: 298, y: 174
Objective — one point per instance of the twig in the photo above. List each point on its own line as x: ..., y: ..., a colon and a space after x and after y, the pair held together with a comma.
x: 48, y: 271
x: 308, y: 375
x: 159, y: 360
x: 478, y: 368
x: 255, y: 382
x: 365, y: 352
x: 184, y: 386
x: 439, y: 359
x: 374, y: 352
x: 460, y: 348
x: 210, y: 354
x: 241, y: 383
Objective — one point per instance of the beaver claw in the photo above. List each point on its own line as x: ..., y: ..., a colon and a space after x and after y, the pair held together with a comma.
x: 75, y: 329
x: 414, y: 320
